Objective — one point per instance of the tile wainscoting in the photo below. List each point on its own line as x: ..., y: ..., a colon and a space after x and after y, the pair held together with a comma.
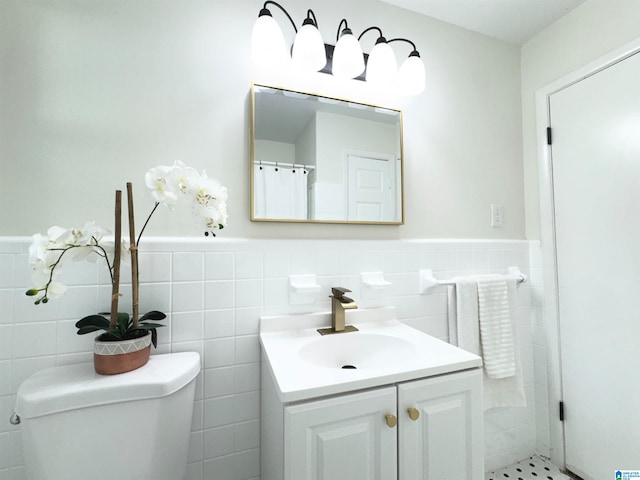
x: 215, y: 290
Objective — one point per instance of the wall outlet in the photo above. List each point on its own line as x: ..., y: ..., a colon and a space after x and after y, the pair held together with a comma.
x: 497, y: 215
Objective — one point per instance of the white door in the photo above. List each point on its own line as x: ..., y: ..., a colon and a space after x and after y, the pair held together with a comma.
x: 441, y: 428
x: 596, y: 173
x: 370, y: 192
x: 342, y: 438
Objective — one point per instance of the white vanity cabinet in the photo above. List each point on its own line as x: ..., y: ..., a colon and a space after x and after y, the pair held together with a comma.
x: 440, y: 428
x: 386, y: 402
x: 354, y: 436
x: 344, y: 437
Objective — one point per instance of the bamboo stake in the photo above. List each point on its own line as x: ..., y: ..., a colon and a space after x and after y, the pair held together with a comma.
x: 134, y: 256
x: 115, y: 283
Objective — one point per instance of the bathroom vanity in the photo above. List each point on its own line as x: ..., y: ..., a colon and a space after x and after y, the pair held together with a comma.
x: 385, y: 402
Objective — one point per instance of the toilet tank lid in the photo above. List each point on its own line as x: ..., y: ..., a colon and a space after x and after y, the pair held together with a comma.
x: 70, y: 387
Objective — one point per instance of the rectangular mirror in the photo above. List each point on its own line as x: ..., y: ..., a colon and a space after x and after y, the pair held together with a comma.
x: 320, y: 159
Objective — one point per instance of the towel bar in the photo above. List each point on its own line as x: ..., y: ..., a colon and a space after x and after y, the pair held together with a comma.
x: 428, y: 281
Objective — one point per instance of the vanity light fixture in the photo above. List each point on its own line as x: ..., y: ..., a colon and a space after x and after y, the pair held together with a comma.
x: 308, y: 48
x: 348, y: 59
x: 382, y: 69
x: 345, y: 60
x: 268, y: 47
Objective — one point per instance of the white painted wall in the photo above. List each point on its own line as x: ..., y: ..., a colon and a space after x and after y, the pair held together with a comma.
x: 590, y: 31
x: 270, y: 151
x: 95, y: 93
x: 305, y: 148
x: 338, y: 133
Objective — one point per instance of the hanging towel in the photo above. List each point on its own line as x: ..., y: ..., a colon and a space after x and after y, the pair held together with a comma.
x: 496, y: 315
x: 464, y: 331
x: 463, y: 315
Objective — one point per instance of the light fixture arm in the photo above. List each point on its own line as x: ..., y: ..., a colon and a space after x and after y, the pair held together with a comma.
x: 346, y: 29
x: 414, y: 52
x: 380, y: 37
x: 265, y: 11
x: 309, y: 20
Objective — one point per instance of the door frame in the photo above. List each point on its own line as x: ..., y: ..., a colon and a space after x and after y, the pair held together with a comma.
x: 547, y: 235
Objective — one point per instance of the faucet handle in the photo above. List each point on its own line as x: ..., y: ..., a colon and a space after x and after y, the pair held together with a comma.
x: 338, y: 292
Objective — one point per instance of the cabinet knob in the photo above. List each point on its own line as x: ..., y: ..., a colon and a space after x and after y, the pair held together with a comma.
x: 391, y: 420
x: 414, y: 414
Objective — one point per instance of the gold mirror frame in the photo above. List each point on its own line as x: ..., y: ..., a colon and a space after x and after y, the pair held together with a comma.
x: 398, y: 171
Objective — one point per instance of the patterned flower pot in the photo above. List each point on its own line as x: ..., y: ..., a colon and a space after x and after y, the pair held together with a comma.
x: 111, y: 358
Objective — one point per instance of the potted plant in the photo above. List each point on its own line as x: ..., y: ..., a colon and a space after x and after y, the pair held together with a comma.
x: 126, y: 340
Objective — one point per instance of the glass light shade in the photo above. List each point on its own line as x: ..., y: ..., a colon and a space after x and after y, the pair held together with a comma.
x: 411, y: 76
x: 381, y: 66
x: 268, y: 47
x: 308, y: 50
x: 348, y: 60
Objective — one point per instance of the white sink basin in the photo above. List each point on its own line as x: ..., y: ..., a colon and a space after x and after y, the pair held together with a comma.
x: 356, y: 350
x: 305, y: 364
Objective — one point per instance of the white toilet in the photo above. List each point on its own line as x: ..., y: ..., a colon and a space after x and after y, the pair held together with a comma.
x: 78, y: 425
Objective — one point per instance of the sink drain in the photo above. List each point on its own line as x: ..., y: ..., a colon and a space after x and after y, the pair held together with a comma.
x: 348, y: 367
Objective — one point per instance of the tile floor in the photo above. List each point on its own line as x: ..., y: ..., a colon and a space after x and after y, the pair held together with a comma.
x: 532, y: 468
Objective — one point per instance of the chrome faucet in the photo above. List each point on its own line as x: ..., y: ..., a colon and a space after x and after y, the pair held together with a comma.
x: 339, y: 303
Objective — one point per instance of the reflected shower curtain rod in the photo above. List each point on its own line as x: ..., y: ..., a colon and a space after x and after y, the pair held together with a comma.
x: 284, y: 165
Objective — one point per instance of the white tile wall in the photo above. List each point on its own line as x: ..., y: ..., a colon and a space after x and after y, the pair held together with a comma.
x: 215, y: 291
x: 543, y: 441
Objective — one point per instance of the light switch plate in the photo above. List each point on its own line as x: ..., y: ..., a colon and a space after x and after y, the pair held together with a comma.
x: 497, y: 215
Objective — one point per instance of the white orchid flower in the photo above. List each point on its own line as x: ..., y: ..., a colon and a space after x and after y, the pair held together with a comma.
x: 167, y: 184
x: 182, y: 178
x: 208, y: 219
x: 38, y: 250
x: 56, y: 289
x: 40, y: 278
x: 125, y: 252
x: 162, y: 190
x: 60, y: 236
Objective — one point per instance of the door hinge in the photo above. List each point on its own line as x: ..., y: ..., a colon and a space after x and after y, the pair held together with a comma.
x: 549, y: 136
x: 561, y: 411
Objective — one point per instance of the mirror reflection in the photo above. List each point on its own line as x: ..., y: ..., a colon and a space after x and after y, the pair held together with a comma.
x: 319, y: 159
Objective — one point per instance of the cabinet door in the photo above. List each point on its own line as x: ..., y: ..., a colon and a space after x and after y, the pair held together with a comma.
x: 342, y: 438
x: 445, y: 439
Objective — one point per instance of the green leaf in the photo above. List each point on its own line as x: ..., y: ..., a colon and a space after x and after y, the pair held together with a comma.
x: 114, y: 332
x: 153, y: 315
x: 88, y: 329
x: 149, y: 325
x: 94, y: 320
x: 123, y: 322
x: 154, y: 338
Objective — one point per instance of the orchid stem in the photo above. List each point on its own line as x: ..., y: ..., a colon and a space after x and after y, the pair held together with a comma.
x: 145, y: 223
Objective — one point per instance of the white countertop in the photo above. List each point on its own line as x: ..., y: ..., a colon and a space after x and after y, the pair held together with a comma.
x: 305, y: 364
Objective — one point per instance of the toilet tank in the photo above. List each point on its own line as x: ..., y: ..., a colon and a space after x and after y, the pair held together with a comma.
x: 78, y: 425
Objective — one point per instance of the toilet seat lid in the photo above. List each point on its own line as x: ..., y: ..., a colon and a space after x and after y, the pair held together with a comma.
x: 70, y: 387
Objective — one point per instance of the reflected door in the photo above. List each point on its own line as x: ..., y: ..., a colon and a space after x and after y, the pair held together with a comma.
x: 370, y: 189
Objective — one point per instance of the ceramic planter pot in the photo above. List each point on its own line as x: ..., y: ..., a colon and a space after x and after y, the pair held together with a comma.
x: 112, y: 358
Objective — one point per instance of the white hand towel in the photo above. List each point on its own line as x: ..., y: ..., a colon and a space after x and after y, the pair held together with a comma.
x: 464, y: 331
x: 496, y: 315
